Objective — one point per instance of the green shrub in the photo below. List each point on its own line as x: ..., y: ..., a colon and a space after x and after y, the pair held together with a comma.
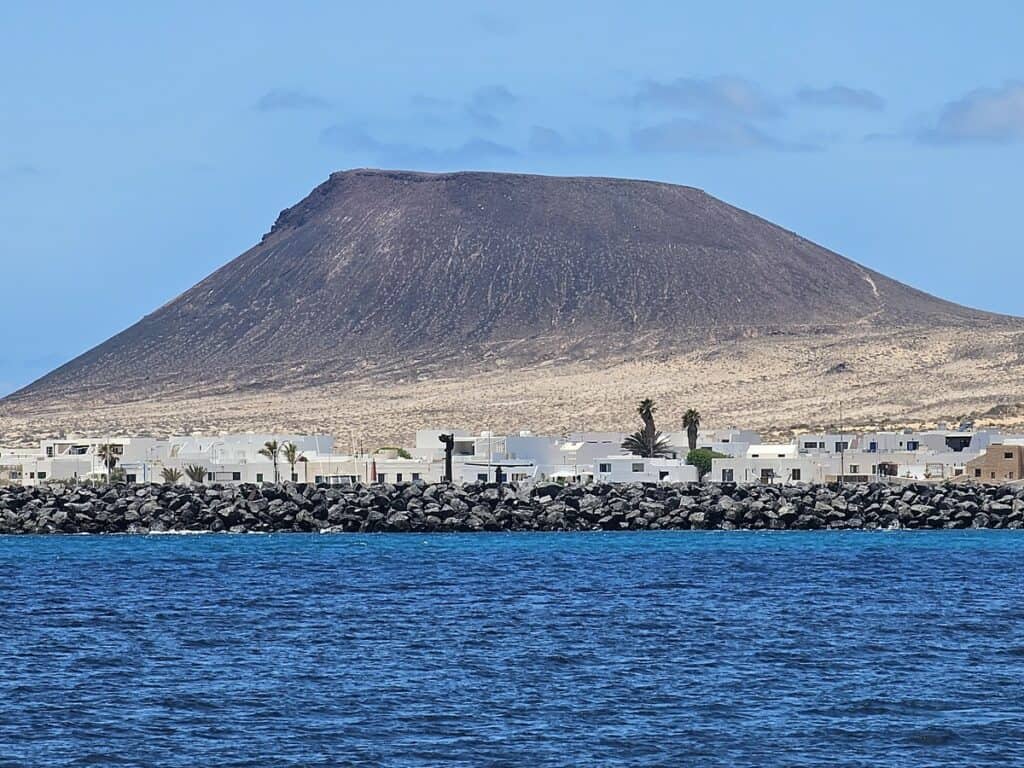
x: 701, y: 458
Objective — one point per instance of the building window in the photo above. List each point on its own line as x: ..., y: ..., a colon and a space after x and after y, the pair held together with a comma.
x: 236, y: 476
x: 662, y: 475
x: 127, y: 478
x: 767, y: 475
x: 604, y: 468
x: 1007, y: 455
x: 1009, y: 475
x: 842, y: 446
x: 209, y: 476
x: 398, y: 477
x: 295, y: 477
x: 49, y: 451
x: 32, y: 475
x: 638, y: 466
x: 977, y: 473
x: 728, y: 475
x: 913, y: 445
x: 872, y: 446
x: 42, y: 476
x: 381, y: 477
x: 481, y: 476
x: 855, y: 469
x: 259, y: 477
x: 810, y: 445
x: 415, y: 476
x: 795, y: 474
x: 993, y: 476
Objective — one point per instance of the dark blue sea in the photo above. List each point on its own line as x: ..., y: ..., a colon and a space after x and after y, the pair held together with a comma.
x: 650, y: 649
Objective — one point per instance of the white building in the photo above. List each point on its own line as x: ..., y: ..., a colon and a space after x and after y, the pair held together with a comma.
x: 635, y: 469
x: 76, y: 458
x: 770, y: 463
x: 237, y: 458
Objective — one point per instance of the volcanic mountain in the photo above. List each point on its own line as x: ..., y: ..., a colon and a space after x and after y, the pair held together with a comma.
x: 391, y: 276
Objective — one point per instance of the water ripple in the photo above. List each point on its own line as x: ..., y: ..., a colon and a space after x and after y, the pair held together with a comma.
x: 538, y: 650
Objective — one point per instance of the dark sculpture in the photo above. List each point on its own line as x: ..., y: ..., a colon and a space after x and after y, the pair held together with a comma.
x: 449, y: 446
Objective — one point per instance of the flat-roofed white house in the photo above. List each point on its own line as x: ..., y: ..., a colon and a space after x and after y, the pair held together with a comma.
x: 76, y: 458
x: 636, y: 469
x: 237, y: 458
x: 770, y: 463
x: 389, y: 467
x: 730, y: 442
x: 428, y: 444
x: 825, y: 442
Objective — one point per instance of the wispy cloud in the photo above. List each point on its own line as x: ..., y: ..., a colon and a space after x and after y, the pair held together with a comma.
x: 722, y: 114
x: 474, y: 150
x: 287, y: 99
x: 710, y: 136
x: 545, y: 140
x: 841, y: 96
x: 20, y: 171
x: 486, y: 107
x: 427, y: 103
x: 498, y: 26
x: 983, y: 116
x: 717, y: 95
x: 486, y: 103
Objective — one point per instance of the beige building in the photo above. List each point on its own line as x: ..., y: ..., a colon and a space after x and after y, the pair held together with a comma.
x: 999, y: 464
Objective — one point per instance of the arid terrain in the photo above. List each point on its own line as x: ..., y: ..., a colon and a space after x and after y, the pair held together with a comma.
x: 388, y: 301
x: 882, y: 379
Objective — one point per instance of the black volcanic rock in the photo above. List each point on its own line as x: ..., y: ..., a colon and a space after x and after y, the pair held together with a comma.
x: 378, y: 263
x: 634, y: 507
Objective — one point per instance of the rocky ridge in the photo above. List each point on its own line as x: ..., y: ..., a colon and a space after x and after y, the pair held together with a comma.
x: 427, y: 508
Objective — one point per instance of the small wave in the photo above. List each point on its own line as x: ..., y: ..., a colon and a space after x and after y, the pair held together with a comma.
x: 933, y: 737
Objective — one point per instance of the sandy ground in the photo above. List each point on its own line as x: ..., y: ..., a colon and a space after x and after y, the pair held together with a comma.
x: 882, y: 379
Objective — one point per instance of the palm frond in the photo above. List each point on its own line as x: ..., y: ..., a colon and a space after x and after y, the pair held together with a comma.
x: 649, y: 445
x: 691, y: 418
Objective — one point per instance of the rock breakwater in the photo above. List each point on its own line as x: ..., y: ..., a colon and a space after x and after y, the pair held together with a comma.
x: 423, y: 508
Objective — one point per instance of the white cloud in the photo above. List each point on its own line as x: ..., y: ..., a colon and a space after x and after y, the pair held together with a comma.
x: 985, y: 115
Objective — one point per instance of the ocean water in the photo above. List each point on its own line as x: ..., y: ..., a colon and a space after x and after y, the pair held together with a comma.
x: 652, y: 649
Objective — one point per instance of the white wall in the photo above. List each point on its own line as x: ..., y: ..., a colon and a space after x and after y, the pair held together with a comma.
x: 635, y: 469
x: 797, y: 469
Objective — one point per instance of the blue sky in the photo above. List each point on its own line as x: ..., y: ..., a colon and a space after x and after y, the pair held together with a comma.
x: 142, y: 145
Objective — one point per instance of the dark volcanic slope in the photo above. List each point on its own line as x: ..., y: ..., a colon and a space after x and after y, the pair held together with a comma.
x: 375, y: 262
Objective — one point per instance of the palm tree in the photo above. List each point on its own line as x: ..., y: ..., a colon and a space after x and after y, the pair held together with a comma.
x: 691, y: 423
x: 646, y: 410
x: 196, y: 473
x: 170, y: 475
x: 648, y: 442
x: 292, y: 455
x: 107, y: 454
x: 272, y: 451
